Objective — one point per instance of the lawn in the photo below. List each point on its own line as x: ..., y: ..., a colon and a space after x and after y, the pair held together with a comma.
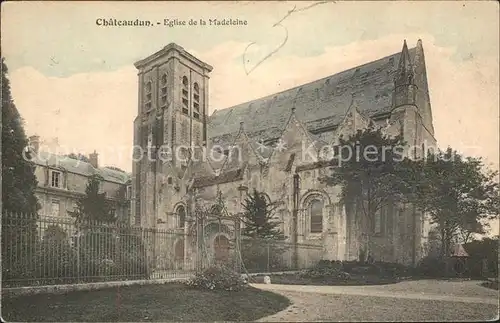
x: 355, y: 280
x: 168, y: 302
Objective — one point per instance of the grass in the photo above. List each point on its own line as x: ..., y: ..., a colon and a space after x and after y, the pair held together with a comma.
x: 293, y: 279
x: 168, y: 302
x: 491, y: 283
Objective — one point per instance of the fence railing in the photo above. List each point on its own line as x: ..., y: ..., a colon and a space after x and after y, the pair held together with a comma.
x: 40, y: 250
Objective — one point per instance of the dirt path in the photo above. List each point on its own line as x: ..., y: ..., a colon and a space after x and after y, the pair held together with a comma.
x: 406, y: 301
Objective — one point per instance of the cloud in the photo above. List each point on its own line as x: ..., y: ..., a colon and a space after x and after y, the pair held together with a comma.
x: 96, y: 110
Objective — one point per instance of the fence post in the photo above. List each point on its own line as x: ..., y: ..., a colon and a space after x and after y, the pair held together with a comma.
x: 268, y: 260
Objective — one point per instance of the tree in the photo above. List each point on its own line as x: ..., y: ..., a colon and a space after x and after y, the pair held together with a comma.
x: 262, y: 246
x: 20, y: 205
x: 371, y: 175
x: 18, y: 172
x: 258, y: 217
x: 94, y: 207
x: 458, y: 193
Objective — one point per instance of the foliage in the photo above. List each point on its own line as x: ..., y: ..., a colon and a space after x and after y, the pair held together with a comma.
x: 262, y: 255
x: 487, y: 249
x: 218, y: 278
x: 19, y: 234
x: 456, y: 192
x: 372, y: 178
x: 260, y: 247
x: 326, y: 269
x: 94, y: 207
x: 431, y: 266
x: 56, y: 255
x: 18, y: 177
x: 258, y: 217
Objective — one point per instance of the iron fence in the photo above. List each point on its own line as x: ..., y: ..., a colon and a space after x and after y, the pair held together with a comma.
x: 40, y: 250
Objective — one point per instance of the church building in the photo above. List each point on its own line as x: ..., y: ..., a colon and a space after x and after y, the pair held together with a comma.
x: 272, y: 144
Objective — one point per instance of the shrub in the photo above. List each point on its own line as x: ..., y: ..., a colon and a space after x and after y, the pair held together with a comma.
x: 262, y: 256
x: 432, y: 266
x: 218, y: 278
x: 326, y: 269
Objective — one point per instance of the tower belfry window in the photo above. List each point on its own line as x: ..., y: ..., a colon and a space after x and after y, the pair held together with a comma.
x: 148, y: 96
x: 196, y: 99
x: 185, y: 93
x: 163, y: 91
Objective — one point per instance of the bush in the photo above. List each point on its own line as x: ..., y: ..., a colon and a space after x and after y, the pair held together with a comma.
x: 326, y: 269
x: 432, y: 267
x: 262, y: 256
x: 218, y: 278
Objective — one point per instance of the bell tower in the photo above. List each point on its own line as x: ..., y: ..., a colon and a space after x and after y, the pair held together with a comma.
x: 172, y: 113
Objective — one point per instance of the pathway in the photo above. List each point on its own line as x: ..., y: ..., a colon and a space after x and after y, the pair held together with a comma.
x: 424, y: 300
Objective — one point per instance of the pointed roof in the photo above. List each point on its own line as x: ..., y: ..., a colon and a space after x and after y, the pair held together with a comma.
x: 458, y: 251
x: 320, y: 105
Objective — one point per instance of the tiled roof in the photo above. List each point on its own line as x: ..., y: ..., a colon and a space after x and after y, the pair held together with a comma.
x: 79, y: 167
x: 319, y: 105
x: 458, y: 251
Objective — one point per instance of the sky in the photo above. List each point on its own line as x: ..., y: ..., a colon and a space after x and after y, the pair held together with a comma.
x: 75, y: 81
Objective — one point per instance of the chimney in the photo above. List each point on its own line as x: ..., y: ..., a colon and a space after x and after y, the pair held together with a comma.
x: 34, y: 143
x: 94, y: 159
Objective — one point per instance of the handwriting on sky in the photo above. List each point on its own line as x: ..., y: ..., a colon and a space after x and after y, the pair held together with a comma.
x: 252, y: 67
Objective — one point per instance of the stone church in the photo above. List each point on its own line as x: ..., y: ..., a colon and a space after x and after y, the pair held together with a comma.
x: 272, y: 144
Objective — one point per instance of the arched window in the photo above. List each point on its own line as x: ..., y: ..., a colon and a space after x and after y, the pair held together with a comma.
x: 316, y: 216
x: 181, y: 215
x: 196, y: 98
x: 163, y: 91
x: 185, y: 95
x: 148, y: 95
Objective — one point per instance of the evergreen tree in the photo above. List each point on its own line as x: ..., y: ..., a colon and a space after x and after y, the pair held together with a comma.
x: 19, y: 203
x: 94, y: 207
x: 258, y: 217
x: 261, y: 247
x: 18, y: 173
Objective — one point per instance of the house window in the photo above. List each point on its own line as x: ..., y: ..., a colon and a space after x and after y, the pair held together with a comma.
x: 169, y: 180
x: 316, y: 216
x: 181, y: 215
x: 54, y: 208
x: 163, y: 91
x: 148, y: 96
x: 129, y: 191
x: 185, y: 92
x: 196, y: 98
x: 55, y: 179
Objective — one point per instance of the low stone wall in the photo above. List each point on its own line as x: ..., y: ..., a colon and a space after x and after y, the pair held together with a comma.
x: 61, y: 289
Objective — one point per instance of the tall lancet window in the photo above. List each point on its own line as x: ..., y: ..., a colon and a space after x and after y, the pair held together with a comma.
x: 185, y: 95
x: 181, y: 216
x: 316, y: 216
x: 196, y: 99
x: 163, y: 91
x: 148, y: 95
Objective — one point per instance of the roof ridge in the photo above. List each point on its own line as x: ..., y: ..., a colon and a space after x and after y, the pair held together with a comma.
x: 308, y: 83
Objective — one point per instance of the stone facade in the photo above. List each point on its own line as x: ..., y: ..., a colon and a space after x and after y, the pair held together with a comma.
x: 62, y: 182
x: 272, y: 144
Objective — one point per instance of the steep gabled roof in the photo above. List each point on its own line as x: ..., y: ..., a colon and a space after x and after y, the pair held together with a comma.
x: 320, y: 105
